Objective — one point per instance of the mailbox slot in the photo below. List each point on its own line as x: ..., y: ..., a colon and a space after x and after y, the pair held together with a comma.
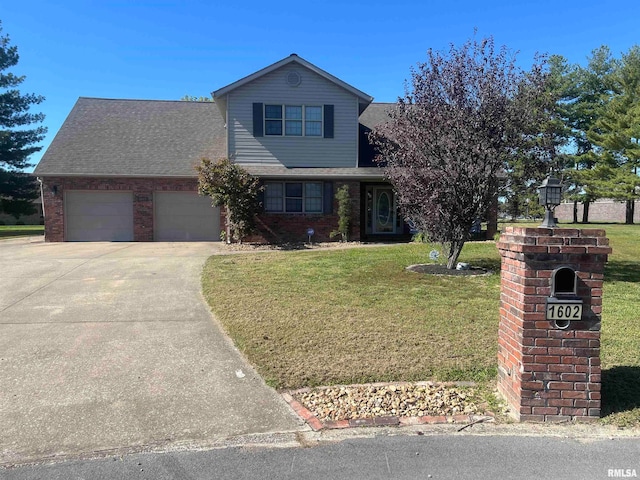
x: 564, y: 305
x: 564, y: 282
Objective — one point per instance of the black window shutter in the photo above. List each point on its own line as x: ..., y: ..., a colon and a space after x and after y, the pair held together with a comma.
x: 328, y: 121
x: 328, y: 197
x: 258, y: 124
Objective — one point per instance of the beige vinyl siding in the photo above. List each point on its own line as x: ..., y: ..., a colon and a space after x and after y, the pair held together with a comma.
x: 289, y: 151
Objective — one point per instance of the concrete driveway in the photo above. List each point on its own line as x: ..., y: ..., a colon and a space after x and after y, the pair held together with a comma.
x: 110, y: 346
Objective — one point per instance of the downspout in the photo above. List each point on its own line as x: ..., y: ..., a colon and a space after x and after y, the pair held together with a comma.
x: 44, y: 215
x: 357, y: 131
x: 41, y: 197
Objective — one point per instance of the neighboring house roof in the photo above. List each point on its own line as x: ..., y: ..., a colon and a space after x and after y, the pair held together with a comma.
x: 151, y: 138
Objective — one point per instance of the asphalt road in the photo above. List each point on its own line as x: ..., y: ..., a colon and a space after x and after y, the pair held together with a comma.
x: 450, y: 456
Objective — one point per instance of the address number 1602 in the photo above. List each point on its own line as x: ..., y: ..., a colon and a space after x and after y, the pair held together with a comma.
x: 560, y: 311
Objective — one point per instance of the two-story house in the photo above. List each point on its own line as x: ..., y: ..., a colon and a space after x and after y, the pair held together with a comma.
x: 123, y: 170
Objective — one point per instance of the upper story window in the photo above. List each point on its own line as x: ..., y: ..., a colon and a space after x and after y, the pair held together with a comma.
x: 313, y: 121
x: 293, y: 120
x: 273, y: 119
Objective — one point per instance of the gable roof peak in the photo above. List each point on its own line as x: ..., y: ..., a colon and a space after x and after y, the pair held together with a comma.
x: 363, y: 98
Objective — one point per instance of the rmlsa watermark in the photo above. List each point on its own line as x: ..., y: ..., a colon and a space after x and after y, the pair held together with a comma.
x: 622, y: 473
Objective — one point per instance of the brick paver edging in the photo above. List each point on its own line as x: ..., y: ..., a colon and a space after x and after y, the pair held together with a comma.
x: 316, y: 424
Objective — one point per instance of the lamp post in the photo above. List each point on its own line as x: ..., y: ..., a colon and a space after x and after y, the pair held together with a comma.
x: 550, y: 196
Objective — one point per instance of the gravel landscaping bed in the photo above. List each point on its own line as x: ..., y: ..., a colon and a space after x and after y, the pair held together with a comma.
x: 399, y: 400
x: 251, y: 246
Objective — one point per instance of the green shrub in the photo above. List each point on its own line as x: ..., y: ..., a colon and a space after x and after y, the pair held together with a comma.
x: 231, y: 187
x: 420, y: 237
x: 344, y: 213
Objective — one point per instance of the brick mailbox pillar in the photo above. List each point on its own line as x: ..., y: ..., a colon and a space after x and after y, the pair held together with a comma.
x: 549, y: 367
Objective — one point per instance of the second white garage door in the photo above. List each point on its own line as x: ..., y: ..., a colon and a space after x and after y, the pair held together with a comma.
x: 185, y: 217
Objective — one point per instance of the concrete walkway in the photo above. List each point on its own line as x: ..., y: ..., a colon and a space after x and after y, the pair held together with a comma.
x: 110, y: 346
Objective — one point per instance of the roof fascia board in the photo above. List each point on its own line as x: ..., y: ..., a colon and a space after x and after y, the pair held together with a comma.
x: 316, y: 177
x: 111, y: 175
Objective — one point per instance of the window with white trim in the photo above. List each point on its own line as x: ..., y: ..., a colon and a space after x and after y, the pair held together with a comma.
x: 298, y: 120
x: 293, y: 197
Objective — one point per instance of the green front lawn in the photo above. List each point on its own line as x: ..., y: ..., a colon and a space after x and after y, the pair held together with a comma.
x: 356, y: 315
x: 9, y: 231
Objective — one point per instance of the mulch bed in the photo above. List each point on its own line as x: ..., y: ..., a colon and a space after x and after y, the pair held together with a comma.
x: 437, y: 269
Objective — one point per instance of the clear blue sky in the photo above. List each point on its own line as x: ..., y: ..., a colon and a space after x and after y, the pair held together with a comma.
x: 167, y: 49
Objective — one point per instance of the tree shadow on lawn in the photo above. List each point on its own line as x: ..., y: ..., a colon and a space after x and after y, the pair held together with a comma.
x: 622, y: 272
x: 620, y: 389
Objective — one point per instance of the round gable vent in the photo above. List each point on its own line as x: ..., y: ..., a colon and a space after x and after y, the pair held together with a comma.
x: 293, y: 78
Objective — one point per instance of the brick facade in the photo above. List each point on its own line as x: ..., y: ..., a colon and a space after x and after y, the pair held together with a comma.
x: 272, y: 228
x: 283, y: 227
x: 544, y: 373
x: 142, y: 188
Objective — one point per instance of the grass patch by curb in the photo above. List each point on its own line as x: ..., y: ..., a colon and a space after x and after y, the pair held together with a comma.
x: 356, y: 316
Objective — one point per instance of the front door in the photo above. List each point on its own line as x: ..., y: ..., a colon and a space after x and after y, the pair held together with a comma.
x: 384, y: 210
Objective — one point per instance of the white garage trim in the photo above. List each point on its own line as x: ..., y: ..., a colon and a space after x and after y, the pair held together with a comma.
x: 184, y: 217
x: 93, y: 216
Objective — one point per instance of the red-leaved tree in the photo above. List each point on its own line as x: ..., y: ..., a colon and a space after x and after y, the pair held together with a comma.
x: 464, y: 116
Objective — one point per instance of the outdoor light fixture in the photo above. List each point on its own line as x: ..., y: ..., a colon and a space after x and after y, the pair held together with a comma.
x: 54, y: 189
x: 550, y: 196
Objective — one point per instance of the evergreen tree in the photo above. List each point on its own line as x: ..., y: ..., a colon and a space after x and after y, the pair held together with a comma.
x: 593, y: 89
x: 23, y: 188
x: 546, y: 141
x: 617, y: 132
x: 17, y: 140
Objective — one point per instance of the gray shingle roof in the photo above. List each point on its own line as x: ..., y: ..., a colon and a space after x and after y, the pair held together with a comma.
x: 375, y: 114
x: 154, y: 138
x: 136, y: 138
x: 265, y: 171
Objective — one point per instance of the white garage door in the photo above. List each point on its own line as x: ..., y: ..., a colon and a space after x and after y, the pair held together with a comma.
x: 184, y: 217
x: 92, y: 216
